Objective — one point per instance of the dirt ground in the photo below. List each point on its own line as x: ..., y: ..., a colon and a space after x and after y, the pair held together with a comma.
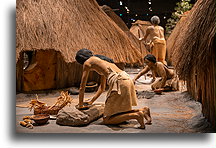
x: 172, y: 112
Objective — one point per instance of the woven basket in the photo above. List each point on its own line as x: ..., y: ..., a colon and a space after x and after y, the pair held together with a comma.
x: 53, y: 111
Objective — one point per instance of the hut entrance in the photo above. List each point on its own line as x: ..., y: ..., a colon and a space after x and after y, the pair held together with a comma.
x: 39, y: 70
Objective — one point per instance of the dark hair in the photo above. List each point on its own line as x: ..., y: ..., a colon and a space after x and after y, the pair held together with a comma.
x: 150, y: 57
x: 104, y: 58
x: 82, y: 55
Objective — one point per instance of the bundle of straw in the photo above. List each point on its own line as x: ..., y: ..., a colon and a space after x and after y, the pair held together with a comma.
x: 42, y: 108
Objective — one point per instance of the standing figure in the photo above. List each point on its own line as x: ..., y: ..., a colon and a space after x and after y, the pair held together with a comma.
x: 168, y: 78
x: 121, y: 95
x: 157, y: 40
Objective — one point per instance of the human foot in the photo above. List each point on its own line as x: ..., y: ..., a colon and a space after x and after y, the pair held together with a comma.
x: 146, y: 114
x: 141, y: 120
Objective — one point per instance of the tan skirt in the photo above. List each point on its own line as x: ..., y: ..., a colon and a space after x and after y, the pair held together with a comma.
x: 159, y: 50
x: 121, y: 95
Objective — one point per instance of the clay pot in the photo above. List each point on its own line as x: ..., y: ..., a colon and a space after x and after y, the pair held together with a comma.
x: 41, y: 119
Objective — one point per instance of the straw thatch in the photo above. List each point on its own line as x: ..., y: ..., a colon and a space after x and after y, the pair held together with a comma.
x: 139, y: 28
x: 55, y: 31
x: 174, y: 35
x: 193, y: 54
x: 114, y: 17
x: 193, y: 42
x: 134, y: 40
x: 69, y: 25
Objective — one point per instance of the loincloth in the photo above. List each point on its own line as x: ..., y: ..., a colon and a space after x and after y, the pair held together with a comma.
x: 159, y: 49
x: 121, y: 95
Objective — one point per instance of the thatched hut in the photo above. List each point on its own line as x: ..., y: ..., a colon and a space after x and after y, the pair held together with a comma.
x: 135, y: 41
x: 175, y: 34
x: 139, y: 28
x: 53, y: 31
x: 193, y: 55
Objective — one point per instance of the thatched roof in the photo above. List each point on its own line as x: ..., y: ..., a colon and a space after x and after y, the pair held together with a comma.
x: 114, y: 17
x: 139, y: 28
x: 69, y: 25
x: 134, y: 40
x: 171, y: 41
x: 192, y: 47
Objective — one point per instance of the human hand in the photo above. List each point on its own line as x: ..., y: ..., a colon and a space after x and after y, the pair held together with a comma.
x: 87, y: 103
x: 134, y: 81
x: 81, y: 107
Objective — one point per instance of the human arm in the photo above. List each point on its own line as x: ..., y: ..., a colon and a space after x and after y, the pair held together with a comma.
x: 153, y: 76
x: 84, y: 79
x: 163, y: 75
x: 144, y: 71
x: 99, y: 91
x: 146, y: 34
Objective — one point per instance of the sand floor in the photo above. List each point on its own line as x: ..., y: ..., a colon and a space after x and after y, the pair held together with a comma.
x: 172, y: 112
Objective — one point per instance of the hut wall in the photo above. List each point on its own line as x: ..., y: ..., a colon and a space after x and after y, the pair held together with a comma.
x: 70, y: 74
x: 19, y: 74
x: 40, y: 74
x: 193, y: 54
x: 201, y: 86
x: 51, y: 73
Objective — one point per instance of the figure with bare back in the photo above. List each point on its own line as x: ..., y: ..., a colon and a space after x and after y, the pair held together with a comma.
x: 168, y: 79
x: 157, y: 40
x: 121, y: 95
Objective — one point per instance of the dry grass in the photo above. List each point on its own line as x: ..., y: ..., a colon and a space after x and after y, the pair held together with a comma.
x: 133, y: 38
x: 195, y: 37
x: 171, y: 41
x: 193, y: 54
x: 69, y: 25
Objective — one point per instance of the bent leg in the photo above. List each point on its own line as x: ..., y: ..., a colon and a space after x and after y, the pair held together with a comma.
x: 146, y: 114
x: 117, y: 119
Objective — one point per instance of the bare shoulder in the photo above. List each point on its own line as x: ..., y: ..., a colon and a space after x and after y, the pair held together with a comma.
x: 161, y: 28
x: 160, y: 65
x: 150, y: 28
x: 88, y: 63
x: 92, y: 61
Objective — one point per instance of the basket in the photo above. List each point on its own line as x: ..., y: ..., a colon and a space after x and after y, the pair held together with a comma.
x: 53, y: 111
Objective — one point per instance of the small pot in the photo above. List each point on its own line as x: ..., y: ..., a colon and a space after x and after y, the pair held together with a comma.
x: 41, y: 119
x: 91, y: 86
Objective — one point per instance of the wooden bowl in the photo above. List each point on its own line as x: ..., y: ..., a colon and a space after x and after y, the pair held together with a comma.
x: 40, y: 119
x: 91, y: 86
x: 158, y: 91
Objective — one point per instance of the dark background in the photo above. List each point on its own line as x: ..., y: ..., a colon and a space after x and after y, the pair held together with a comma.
x: 139, y: 9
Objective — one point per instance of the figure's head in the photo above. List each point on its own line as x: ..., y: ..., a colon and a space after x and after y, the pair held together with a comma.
x: 155, y: 20
x: 150, y: 60
x: 82, y: 55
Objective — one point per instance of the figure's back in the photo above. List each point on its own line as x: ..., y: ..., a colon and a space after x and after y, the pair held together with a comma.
x: 101, y: 66
x: 156, y: 32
